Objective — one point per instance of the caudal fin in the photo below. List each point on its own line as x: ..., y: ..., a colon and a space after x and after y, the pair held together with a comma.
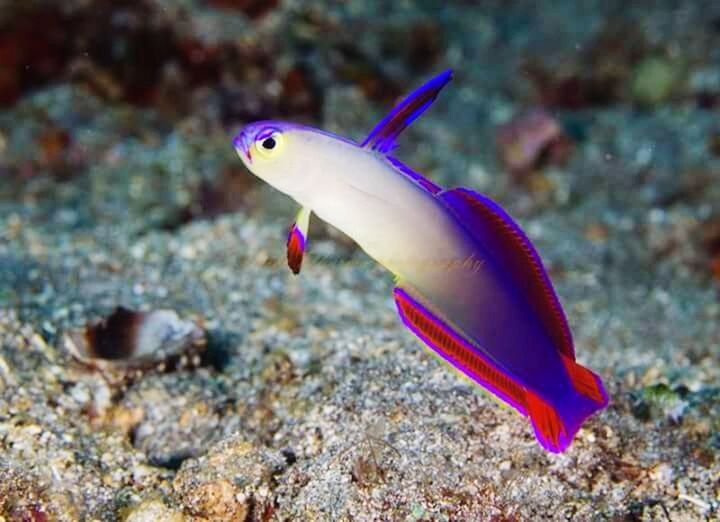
x: 556, y: 426
x: 586, y: 383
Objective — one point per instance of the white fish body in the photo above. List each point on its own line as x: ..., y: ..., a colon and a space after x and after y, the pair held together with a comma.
x: 393, y: 219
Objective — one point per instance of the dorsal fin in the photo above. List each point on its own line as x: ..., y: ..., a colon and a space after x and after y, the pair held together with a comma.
x: 382, y: 137
x: 505, y: 241
x: 418, y: 178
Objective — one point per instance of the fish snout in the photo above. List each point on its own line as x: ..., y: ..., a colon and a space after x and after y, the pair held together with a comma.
x: 242, y: 143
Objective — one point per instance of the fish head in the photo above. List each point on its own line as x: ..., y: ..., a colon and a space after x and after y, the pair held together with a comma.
x: 274, y: 152
x: 292, y: 158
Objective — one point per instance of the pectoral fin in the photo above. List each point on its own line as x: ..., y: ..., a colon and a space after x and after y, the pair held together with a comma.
x: 297, y: 237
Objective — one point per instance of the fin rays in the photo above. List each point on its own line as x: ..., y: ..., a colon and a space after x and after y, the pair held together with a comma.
x: 382, y: 137
x: 457, y: 351
x: 493, y: 227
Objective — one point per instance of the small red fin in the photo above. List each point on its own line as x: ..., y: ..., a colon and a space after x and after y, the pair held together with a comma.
x: 585, y: 381
x: 504, y: 240
x: 458, y: 352
x: 296, y: 239
x: 295, y: 249
x: 549, y: 428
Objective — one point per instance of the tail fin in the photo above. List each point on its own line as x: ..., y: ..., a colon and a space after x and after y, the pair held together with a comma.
x: 556, y: 426
x: 586, y: 382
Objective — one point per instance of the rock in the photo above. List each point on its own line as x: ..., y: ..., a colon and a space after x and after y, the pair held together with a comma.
x: 153, y: 510
x: 234, y: 481
x: 127, y: 343
x: 654, y: 80
x: 530, y: 141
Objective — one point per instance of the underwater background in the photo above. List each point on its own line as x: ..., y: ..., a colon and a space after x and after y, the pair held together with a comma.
x: 264, y: 396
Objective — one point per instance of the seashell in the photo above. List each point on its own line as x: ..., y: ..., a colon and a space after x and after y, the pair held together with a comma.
x: 128, y: 343
x: 531, y: 140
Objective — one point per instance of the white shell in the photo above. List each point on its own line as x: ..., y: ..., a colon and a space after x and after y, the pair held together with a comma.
x: 128, y: 340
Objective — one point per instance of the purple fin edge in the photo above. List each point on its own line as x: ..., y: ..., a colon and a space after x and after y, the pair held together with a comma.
x: 382, y: 137
x: 295, y: 231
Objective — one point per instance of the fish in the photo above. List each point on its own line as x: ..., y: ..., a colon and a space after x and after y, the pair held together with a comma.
x: 469, y: 283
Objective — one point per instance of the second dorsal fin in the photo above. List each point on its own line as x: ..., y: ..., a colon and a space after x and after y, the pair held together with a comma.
x: 382, y: 137
x: 505, y: 241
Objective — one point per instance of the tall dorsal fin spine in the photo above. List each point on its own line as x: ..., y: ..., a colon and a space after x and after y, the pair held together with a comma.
x: 382, y: 138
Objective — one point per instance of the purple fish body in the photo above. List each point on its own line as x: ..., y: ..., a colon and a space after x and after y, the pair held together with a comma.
x: 490, y: 311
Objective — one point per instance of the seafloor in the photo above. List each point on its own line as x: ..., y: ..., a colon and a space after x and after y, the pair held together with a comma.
x: 119, y: 186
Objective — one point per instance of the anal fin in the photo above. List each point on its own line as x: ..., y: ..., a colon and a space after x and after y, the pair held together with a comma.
x: 555, y: 422
x: 458, y: 351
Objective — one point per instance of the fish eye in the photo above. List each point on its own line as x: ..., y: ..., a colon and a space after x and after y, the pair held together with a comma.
x: 269, y: 143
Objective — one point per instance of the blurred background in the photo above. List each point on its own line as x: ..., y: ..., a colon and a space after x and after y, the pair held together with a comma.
x: 595, y: 123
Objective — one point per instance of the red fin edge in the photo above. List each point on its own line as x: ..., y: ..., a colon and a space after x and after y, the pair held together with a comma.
x: 585, y: 381
x: 295, y: 249
x: 504, y: 239
x: 549, y: 428
x: 554, y: 428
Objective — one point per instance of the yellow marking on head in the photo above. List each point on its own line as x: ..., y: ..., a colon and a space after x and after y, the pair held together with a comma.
x: 269, y: 146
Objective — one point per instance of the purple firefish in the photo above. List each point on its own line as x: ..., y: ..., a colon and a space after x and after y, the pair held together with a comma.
x: 469, y: 283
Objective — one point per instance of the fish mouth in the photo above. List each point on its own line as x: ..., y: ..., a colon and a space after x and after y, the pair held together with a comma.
x: 242, y: 143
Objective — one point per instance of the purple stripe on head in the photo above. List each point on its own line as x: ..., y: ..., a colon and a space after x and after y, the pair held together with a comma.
x: 266, y: 133
x: 262, y: 129
x: 242, y: 143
